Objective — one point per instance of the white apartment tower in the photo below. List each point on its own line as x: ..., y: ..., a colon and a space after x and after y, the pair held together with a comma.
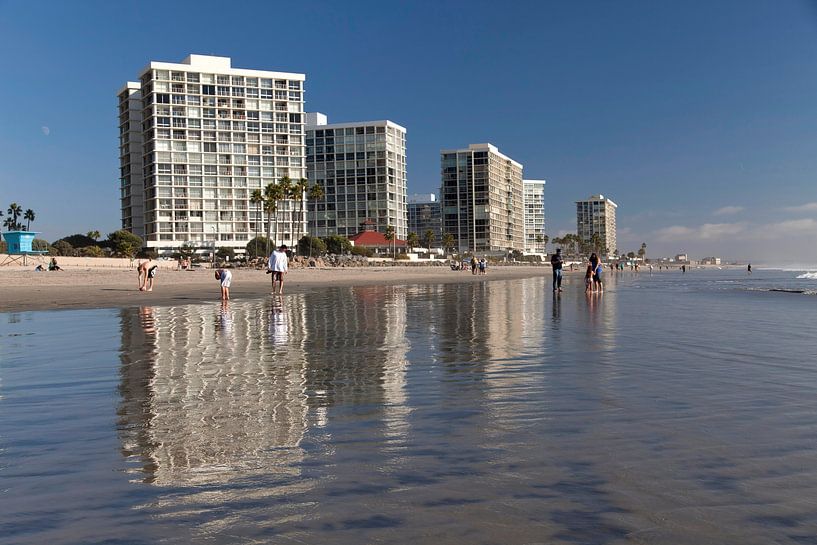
x: 534, y: 197
x: 597, y: 215
x: 361, y: 167
x: 482, y: 202
x: 211, y: 135
x: 131, y: 183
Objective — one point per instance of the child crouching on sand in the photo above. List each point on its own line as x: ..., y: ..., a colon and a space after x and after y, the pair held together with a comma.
x: 224, y: 277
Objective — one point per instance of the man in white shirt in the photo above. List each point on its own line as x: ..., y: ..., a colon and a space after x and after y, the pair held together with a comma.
x: 278, y: 266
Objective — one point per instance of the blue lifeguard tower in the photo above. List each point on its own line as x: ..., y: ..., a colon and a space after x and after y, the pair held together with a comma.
x: 19, y: 247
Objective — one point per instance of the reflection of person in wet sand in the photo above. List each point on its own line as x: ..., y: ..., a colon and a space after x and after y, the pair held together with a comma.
x: 147, y: 273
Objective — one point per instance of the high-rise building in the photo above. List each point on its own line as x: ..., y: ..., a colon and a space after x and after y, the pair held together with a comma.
x: 597, y: 215
x: 211, y: 135
x: 534, y: 197
x: 361, y: 167
x: 482, y: 199
x: 131, y: 182
x: 424, y: 213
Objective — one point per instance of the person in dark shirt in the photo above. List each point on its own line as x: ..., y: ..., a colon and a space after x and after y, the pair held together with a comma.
x: 556, y: 262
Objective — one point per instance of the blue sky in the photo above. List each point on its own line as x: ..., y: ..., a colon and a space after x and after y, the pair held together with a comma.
x: 698, y: 118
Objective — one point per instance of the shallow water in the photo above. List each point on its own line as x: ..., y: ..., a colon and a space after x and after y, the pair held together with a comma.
x: 672, y: 409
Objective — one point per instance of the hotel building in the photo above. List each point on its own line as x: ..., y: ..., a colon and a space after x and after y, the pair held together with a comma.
x: 424, y: 213
x: 211, y: 134
x: 361, y: 167
x: 482, y: 199
x: 534, y: 197
x: 597, y: 214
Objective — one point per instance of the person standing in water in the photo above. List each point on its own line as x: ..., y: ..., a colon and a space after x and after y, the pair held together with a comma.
x: 557, y: 262
x: 224, y: 278
x: 278, y: 266
x: 749, y: 269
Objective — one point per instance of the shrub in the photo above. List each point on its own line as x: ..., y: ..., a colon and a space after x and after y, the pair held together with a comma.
x: 336, y: 244
x: 62, y: 248
x: 225, y: 253
x: 148, y: 253
x: 360, y: 250
x: 3, y: 247
x: 257, y: 247
x: 79, y: 241
x: 91, y: 251
x: 309, y: 243
x: 402, y: 256
x: 124, y: 243
x: 39, y: 245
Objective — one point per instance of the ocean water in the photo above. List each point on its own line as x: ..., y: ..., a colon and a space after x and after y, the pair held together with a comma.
x: 671, y: 409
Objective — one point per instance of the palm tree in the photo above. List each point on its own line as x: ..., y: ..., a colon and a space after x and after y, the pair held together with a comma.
x: 315, y: 193
x: 301, y: 186
x: 14, y: 212
x: 29, y: 217
x: 93, y: 234
x: 448, y: 241
x: 272, y: 194
x: 285, y: 184
x: 595, y: 241
x: 428, y: 239
x: 257, y: 198
x: 412, y: 240
x: 389, y: 234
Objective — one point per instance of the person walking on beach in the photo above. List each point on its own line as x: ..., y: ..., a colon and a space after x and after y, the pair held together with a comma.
x: 278, y: 266
x: 224, y: 278
x: 556, y: 262
x: 147, y: 274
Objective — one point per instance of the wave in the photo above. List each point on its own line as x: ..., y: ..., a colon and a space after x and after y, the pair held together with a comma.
x: 809, y: 276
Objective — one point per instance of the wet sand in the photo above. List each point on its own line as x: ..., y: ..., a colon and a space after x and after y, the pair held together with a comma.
x: 96, y: 288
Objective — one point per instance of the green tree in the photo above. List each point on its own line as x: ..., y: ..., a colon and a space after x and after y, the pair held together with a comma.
x: 299, y: 189
x: 29, y: 217
x: 315, y: 193
x: 596, y: 242
x: 92, y: 251
x: 336, y: 244
x: 642, y: 252
x: 39, y: 245
x: 62, y: 248
x: 225, y: 253
x: 14, y: 212
x: 125, y: 243
x: 93, y: 234
x: 285, y: 183
x: 257, y: 246
x: 272, y: 195
x: 186, y: 251
x: 448, y: 242
x: 257, y: 198
x: 412, y: 240
x: 631, y: 255
x: 307, y: 244
x: 428, y: 238
x: 390, y: 236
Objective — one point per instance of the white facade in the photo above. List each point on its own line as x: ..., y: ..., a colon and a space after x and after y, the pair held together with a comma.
x: 481, y: 196
x: 131, y: 149
x: 212, y: 134
x: 597, y: 215
x: 534, y: 197
x: 361, y: 167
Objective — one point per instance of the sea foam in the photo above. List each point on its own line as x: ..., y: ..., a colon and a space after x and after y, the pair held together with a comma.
x: 809, y: 276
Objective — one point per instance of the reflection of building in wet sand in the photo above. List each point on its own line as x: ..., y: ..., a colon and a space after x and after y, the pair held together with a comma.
x: 356, y: 346
x: 207, y: 397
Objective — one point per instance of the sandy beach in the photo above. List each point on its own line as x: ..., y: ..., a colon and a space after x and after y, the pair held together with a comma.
x: 24, y: 289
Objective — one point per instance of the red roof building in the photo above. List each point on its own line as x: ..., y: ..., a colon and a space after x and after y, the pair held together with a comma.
x: 370, y: 238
